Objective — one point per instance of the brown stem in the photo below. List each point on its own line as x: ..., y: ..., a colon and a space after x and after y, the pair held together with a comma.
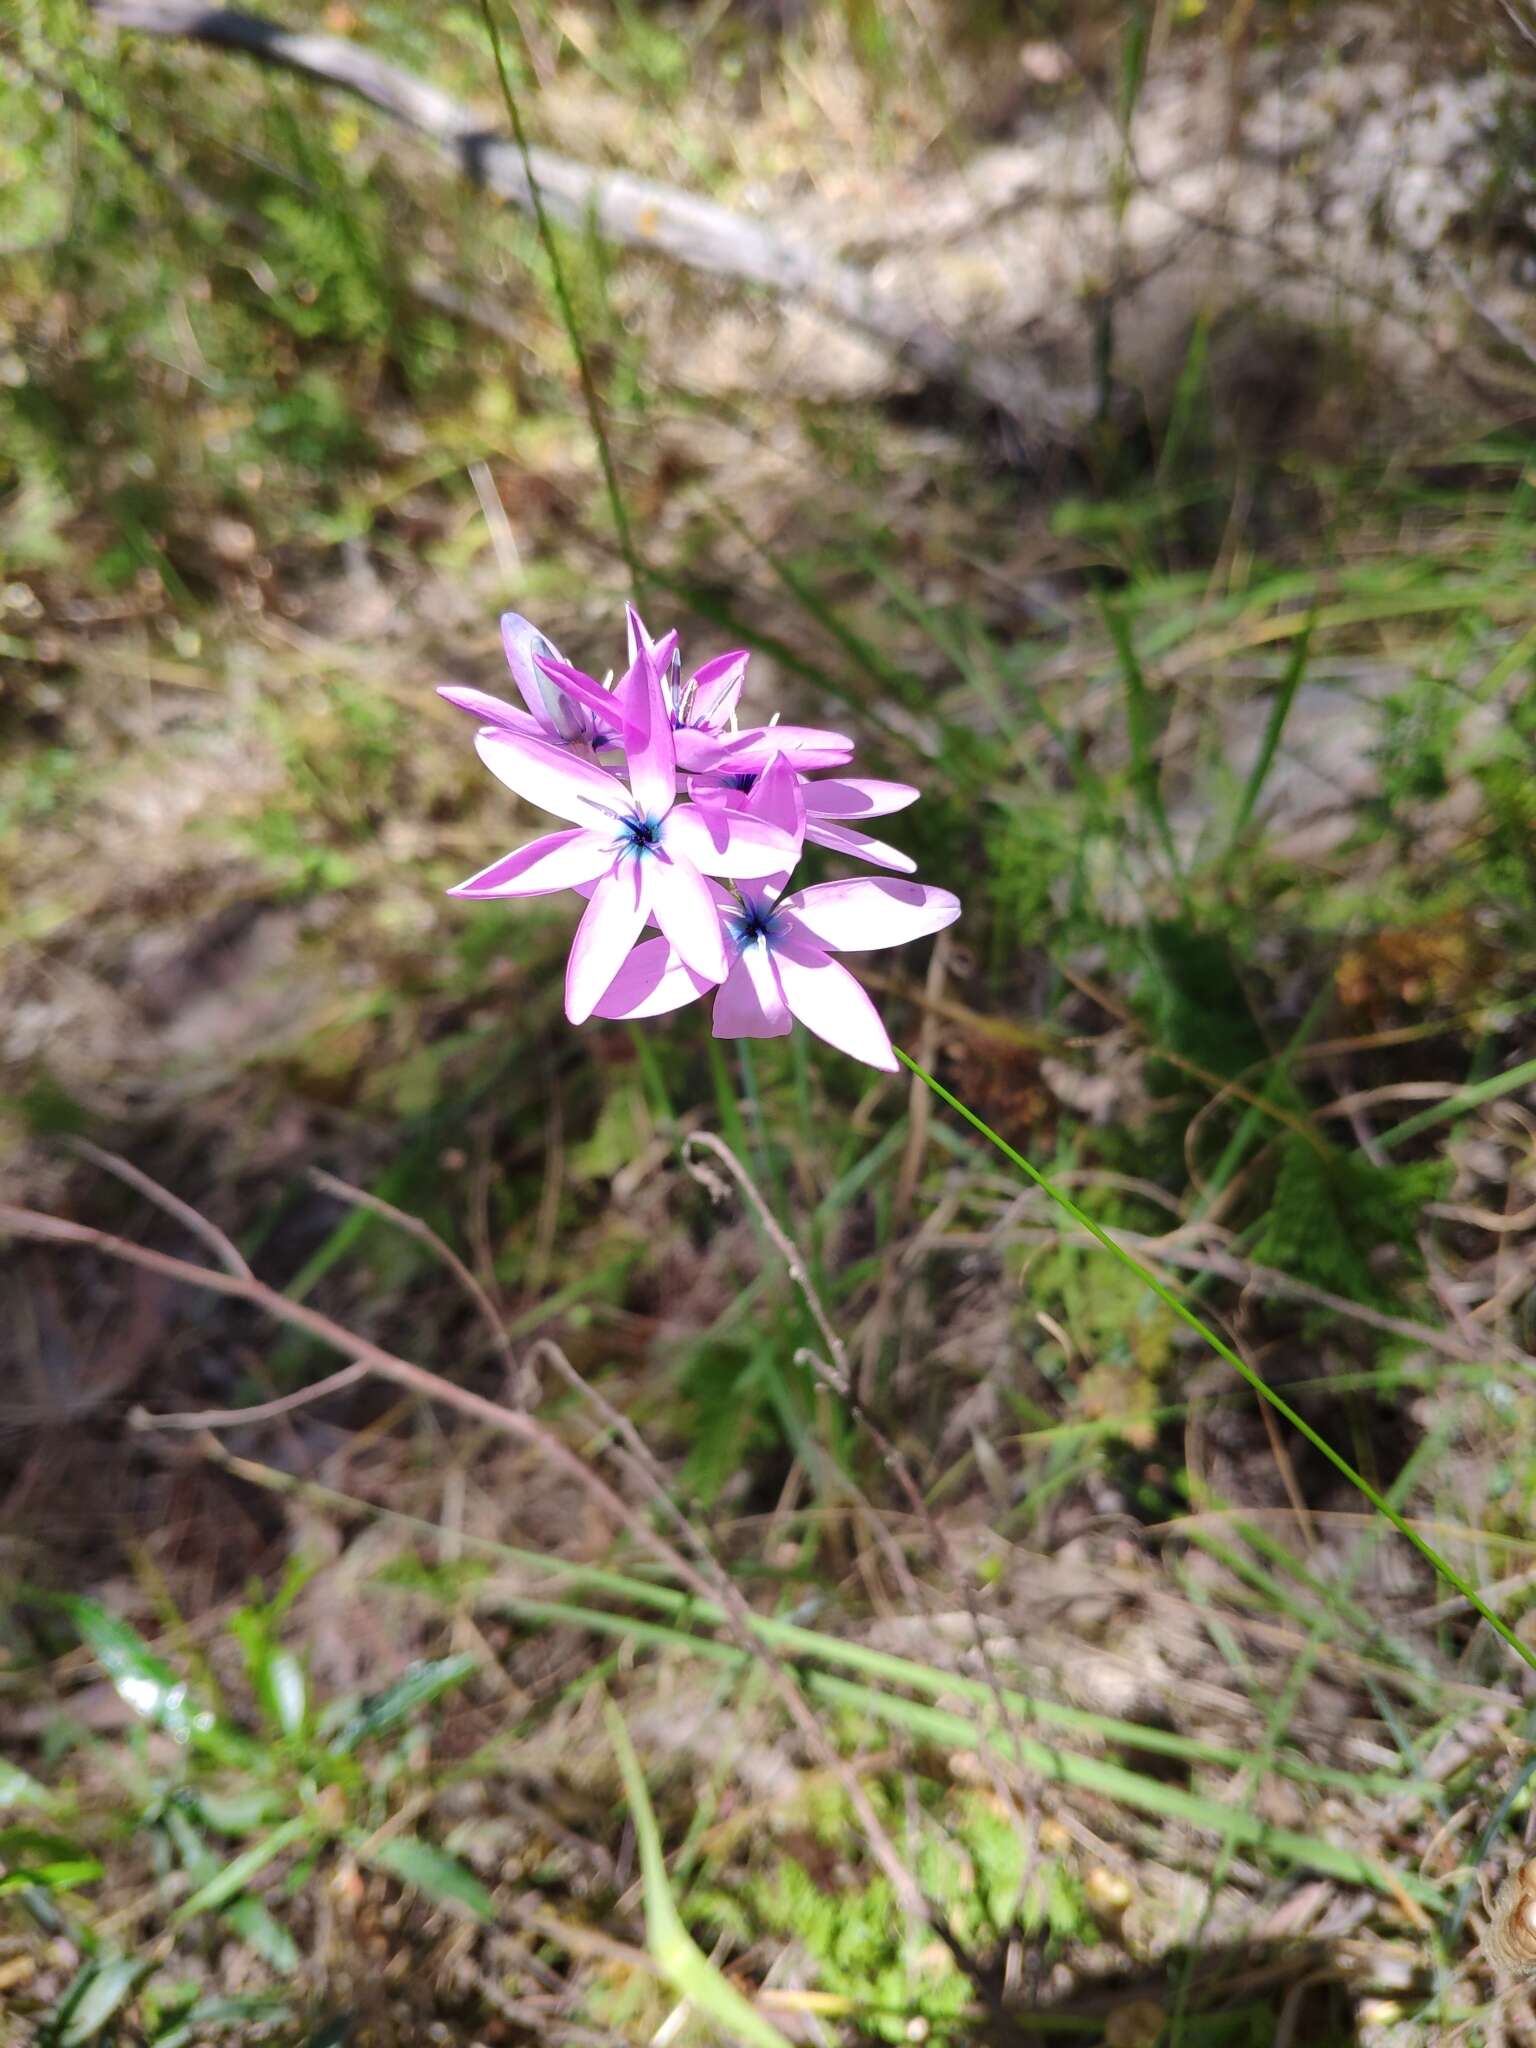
x: 413, y: 1226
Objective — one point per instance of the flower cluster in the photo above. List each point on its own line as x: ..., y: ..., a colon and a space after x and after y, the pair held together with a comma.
x: 678, y: 817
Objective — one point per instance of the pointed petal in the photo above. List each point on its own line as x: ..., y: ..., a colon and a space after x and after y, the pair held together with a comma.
x: 869, y: 911
x: 764, y: 975
x: 652, y: 981
x: 553, y: 778
x: 751, y: 1003
x: 560, y: 860
x: 828, y: 1001
x: 489, y: 710
x: 721, y: 842
x: 661, y: 652
x: 776, y: 797
x: 524, y: 645
x: 807, y: 746
x: 844, y: 839
x: 711, y: 693
x: 857, y: 796
x: 581, y: 700
x: 639, y: 639
x: 648, y: 739
x: 609, y: 926
x: 683, y: 906
x: 669, y: 664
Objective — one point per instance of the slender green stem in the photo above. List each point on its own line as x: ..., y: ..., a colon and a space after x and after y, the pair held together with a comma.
x: 566, y: 304
x: 1239, y: 1365
x: 1470, y: 1097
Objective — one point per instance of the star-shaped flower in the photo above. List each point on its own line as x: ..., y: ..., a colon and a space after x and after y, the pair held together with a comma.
x: 642, y: 853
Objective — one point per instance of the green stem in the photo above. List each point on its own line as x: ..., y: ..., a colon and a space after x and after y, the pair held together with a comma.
x: 1470, y: 1097
x: 566, y: 304
x: 1239, y: 1365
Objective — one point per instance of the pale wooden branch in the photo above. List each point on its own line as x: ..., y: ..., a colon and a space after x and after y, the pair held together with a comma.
x: 634, y: 212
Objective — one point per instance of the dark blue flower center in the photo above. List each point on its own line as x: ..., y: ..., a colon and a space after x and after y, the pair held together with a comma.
x: 639, y: 836
x: 741, y: 782
x: 753, y: 921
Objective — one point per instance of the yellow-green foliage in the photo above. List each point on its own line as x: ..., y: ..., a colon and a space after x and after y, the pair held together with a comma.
x: 971, y: 1860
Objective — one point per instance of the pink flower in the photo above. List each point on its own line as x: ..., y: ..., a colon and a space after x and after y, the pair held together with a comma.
x: 639, y: 856
x: 702, y: 712
x: 781, y: 964
x: 829, y: 805
x: 642, y: 853
x: 585, y: 718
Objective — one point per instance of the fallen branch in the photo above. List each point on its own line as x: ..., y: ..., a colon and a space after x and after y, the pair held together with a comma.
x: 636, y: 213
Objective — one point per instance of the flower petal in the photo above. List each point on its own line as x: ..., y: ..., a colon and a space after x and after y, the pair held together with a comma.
x: 698, y: 751
x: 871, y: 910
x: 714, y: 789
x: 582, y: 699
x: 648, y: 739
x: 721, y: 842
x: 495, y: 711
x: 751, y: 1003
x: 524, y: 645
x: 807, y: 746
x: 652, y: 981
x: 669, y: 665
x: 711, y: 692
x: 759, y: 897
x: 828, y: 1001
x: 639, y: 638
x: 560, y: 860
x: 683, y: 906
x: 857, y: 796
x: 609, y: 927
x: 860, y: 846
x: 776, y: 798
x: 553, y: 778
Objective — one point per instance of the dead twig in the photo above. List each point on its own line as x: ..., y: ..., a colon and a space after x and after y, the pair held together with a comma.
x: 413, y: 1226
x: 262, y: 1411
x: 785, y: 1246
x: 223, y: 1250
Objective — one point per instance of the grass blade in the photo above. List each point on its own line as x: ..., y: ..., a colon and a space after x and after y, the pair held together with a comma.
x: 239, y: 1871
x: 1274, y: 727
x: 422, y: 1684
x: 1144, y: 729
x: 443, y: 1878
x: 1471, y: 1097
x: 678, y: 1956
